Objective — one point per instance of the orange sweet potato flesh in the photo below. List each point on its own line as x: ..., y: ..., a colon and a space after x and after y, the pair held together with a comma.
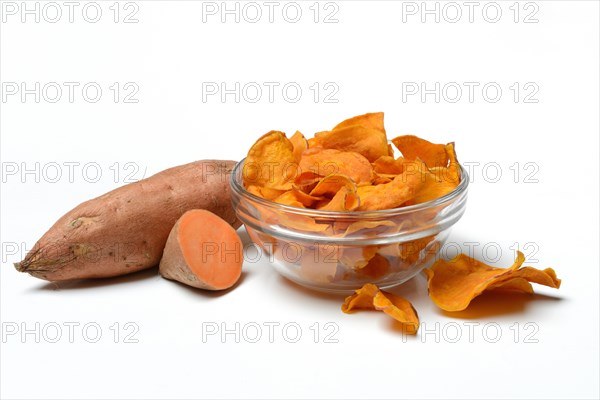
x: 125, y: 230
x: 202, y: 251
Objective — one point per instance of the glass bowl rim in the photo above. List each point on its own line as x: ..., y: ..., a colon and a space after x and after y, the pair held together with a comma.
x: 239, y: 189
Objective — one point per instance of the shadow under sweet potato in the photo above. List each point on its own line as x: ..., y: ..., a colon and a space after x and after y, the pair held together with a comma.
x: 100, y: 282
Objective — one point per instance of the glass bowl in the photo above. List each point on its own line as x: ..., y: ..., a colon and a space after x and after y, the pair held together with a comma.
x: 386, y: 247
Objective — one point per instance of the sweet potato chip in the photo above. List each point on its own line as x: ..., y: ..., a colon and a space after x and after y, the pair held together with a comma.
x: 299, y: 145
x: 413, y: 147
x: 296, y: 198
x: 368, y: 120
x: 323, y: 162
x: 377, y: 267
x: 381, y: 180
x: 370, y: 142
x: 355, y: 258
x: 362, y: 299
x: 433, y: 188
x: 453, y: 284
x: 264, y: 192
x: 255, y: 190
x: 403, y: 188
x: 271, y: 194
x: 345, y: 199
x: 389, y: 165
x: 332, y: 184
x: 390, y: 150
x: 313, y: 143
x: 398, y: 308
x: 306, y: 199
x: 269, y: 162
x: 289, y: 199
x: 453, y: 169
x: 369, y: 297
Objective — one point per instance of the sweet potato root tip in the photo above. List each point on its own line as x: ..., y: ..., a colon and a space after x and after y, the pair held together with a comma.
x: 203, y: 251
x: 125, y: 230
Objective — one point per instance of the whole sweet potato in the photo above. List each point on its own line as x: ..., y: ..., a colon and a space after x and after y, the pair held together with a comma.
x: 125, y: 230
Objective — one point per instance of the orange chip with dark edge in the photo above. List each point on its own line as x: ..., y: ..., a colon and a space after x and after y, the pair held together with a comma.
x: 299, y: 145
x: 345, y: 199
x: 413, y: 147
x: 369, y: 120
x: 369, y: 297
x: 370, y: 142
x: 398, y: 308
x: 269, y: 162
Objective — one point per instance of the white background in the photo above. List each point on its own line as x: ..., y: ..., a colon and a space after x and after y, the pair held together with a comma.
x: 549, y: 210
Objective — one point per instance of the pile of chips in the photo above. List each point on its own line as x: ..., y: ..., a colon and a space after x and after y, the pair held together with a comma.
x: 349, y: 168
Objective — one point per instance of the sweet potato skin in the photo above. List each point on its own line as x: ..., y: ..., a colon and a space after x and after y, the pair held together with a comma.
x: 125, y: 230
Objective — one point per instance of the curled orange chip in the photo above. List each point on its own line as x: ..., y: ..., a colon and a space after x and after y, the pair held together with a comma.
x: 345, y: 199
x: 270, y: 194
x: 299, y: 145
x: 434, y: 187
x: 323, y: 162
x: 357, y: 257
x: 377, y: 267
x: 362, y: 299
x: 313, y: 143
x: 413, y: 147
x: 398, y: 308
x: 264, y: 192
x: 403, y: 188
x: 270, y: 162
x: 390, y: 150
x: 306, y: 199
x: 289, y: 199
x: 370, y: 142
x: 306, y: 181
x: 381, y: 179
x: 453, y: 284
x: 332, y: 184
x: 453, y: 169
x: 255, y: 190
x: 296, y: 198
x: 389, y: 165
x: 369, y: 297
x: 369, y: 120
